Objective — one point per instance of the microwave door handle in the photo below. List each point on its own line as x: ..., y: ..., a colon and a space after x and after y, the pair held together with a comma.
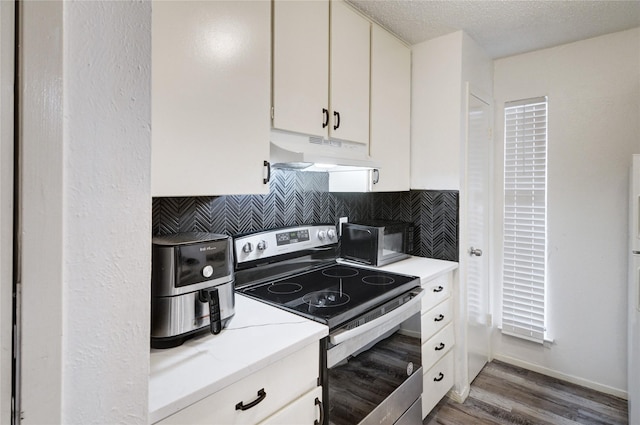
x: 387, y: 321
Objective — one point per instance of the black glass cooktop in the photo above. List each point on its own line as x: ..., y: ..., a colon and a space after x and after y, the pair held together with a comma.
x: 334, y: 294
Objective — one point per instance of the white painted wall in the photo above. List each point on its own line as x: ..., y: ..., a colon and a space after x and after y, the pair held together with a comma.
x: 594, y: 126
x: 86, y: 211
x: 6, y: 202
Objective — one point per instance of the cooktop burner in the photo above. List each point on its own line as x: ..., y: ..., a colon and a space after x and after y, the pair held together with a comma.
x: 340, y: 271
x: 284, y: 288
x: 333, y: 294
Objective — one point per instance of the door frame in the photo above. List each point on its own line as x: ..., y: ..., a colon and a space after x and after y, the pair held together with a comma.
x: 7, y: 71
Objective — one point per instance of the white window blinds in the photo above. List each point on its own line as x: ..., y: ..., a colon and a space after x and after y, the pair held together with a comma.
x: 525, y: 217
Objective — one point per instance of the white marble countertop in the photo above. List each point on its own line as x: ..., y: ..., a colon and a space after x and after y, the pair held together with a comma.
x: 425, y: 268
x: 257, y: 336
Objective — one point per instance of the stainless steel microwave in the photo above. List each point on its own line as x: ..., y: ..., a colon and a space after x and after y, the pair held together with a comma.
x: 376, y: 242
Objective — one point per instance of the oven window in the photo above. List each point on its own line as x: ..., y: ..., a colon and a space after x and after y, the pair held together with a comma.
x: 366, y: 380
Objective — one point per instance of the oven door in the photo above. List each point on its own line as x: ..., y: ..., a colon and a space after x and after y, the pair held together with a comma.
x: 373, y: 372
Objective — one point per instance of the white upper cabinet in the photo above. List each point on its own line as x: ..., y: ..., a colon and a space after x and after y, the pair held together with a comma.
x: 321, y: 70
x: 210, y: 97
x: 301, y: 67
x: 390, y: 110
x: 349, y: 78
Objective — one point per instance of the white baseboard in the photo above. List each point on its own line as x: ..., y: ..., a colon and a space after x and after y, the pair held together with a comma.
x: 459, y: 396
x: 563, y: 376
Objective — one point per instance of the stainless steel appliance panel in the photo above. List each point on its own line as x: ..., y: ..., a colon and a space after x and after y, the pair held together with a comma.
x: 192, y: 286
x: 172, y: 316
x: 376, y: 242
x: 188, y: 262
x: 378, y: 384
x: 413, y: 415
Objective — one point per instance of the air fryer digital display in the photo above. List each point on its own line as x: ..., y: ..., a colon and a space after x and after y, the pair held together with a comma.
x: 191, y: 261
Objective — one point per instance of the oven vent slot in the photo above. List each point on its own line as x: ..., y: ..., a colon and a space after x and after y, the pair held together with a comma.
x: 379, y: 312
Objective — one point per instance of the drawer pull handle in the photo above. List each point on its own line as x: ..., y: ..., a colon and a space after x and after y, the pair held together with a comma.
x: 438, y: 289
x: 321, y: 421
x: 261, y: 396
x: 440, y: 318
x: 439, y: 378
x: 440, y: 347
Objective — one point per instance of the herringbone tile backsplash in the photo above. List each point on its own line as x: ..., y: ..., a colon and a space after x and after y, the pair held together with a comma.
x: 303, y: 198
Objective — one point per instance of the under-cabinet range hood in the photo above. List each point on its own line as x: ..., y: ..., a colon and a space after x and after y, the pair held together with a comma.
x: 312, y: 153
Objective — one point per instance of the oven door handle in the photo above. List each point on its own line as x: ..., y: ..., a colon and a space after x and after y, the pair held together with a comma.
x: 349, y: 342
x: 382, y: 323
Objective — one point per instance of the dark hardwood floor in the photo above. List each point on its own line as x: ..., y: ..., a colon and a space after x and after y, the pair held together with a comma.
x: 504, y: 394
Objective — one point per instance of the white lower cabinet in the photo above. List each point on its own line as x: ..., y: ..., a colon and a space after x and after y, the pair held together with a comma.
x: 438, y: 345
x: 437, y: 327
x: 275, y: 394
x: 437, y: 382
x: 436, y: 318
x: 305, y: 410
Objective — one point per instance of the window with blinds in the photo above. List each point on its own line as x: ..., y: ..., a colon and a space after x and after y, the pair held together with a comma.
x: 525, y: 219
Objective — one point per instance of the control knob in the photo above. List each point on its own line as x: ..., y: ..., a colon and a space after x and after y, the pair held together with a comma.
x: 262, y: 245
x: 247, y: 248
x: 207, y: 271
x: 322, y: 234
x: 331, y: 233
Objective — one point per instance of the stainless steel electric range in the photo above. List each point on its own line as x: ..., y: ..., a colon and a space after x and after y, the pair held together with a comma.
x: 370, y: 364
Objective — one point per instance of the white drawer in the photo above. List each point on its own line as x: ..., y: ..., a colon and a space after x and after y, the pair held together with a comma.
x: 435, y: 291
x: 437, y: 382
x: 437, y: 346
x: 305, y: 410
x: 283, y: 382
x: 436, y: 318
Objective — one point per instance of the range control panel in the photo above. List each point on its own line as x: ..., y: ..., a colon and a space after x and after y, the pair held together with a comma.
x: 270, y: 243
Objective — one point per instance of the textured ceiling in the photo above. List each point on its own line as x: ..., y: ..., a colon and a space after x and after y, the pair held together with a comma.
x: 507, y: 27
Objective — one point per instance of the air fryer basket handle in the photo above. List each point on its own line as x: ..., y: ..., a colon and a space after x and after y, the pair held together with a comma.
x: 215, y: 324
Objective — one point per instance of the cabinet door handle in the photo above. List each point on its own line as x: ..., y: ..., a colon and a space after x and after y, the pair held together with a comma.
x: 261, y: 396
x: 321, y: 421
x: 325, y: 121
x: 336, y: 115
x: 439, y: 378
x: 376, y: 176
x: 440, y: 346
x: 440, y: 318
x: 266, y: 180
x: 438, y: 289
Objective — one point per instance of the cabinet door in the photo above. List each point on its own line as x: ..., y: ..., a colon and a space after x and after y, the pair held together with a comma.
x: 349, y: 79
x: 210, y: 97
x: 305, y: 410
x: 437, y: 382
x: 390, y: 110
x: 258, y: 396
x: 301, y: 66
